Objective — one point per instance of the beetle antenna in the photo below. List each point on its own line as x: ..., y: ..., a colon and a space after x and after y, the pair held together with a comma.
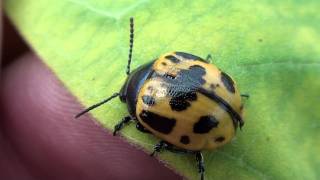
x: 131, y: 44
x: 96, y: 105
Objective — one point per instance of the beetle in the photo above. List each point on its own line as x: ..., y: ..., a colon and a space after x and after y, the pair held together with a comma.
x: 188, y: 103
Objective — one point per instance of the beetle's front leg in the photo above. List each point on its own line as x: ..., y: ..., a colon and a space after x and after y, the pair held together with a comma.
x: 158, y: 147
x: 200, y: 162
x: 120, y: 125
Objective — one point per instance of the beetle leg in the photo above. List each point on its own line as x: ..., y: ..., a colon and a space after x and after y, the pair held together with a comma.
x: 174, y: 149
x: 245, y: 96
x: 158, y: 147
x: 120, y: 125
x: 209, y: 58
x: 141, y: 128
x: 167, y: 146
x: 163, y: 145
x: 200, y: 162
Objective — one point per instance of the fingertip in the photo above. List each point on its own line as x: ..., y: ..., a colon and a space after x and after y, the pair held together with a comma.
x: 39, y: 119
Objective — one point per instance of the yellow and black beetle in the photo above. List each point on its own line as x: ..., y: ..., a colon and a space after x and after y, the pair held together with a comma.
x: 180, y: 98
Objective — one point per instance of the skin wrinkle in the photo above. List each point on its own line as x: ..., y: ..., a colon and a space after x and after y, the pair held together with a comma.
x: 10, y: 162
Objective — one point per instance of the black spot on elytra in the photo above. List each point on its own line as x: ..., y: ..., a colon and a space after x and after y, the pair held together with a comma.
x: 148, y: 100
x: 177, y: 105
x: 205, y: 124
x: 214, y: 86
x: 220, y: 139
x: 185, y: 139
x: 179, y: 101
x: 157, y: 122
x: 228, y: 82
x: 191, y: 57
x: 173, y: 59
x: 164, y: 63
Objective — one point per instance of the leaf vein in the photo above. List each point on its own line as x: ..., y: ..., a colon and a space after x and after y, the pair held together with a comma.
x: 108, y: 14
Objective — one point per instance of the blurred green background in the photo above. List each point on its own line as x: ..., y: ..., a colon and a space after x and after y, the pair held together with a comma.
x: 271, y: 48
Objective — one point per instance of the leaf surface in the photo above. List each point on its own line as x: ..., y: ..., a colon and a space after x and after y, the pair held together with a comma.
x: 271, y: 48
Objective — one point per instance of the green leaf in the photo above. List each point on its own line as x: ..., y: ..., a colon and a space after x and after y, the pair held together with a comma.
x: 271, y: 48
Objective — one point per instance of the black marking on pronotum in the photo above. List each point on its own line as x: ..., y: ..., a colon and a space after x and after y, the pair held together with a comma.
x: 236, y: 118
x: 220, y: 139
x: 228, y: 82
x: 188, y: 56
x: 172, y: 58
x: 148, y: 100
x: 185, y: 139
x: 157, y: 122
x: 205, y: 124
